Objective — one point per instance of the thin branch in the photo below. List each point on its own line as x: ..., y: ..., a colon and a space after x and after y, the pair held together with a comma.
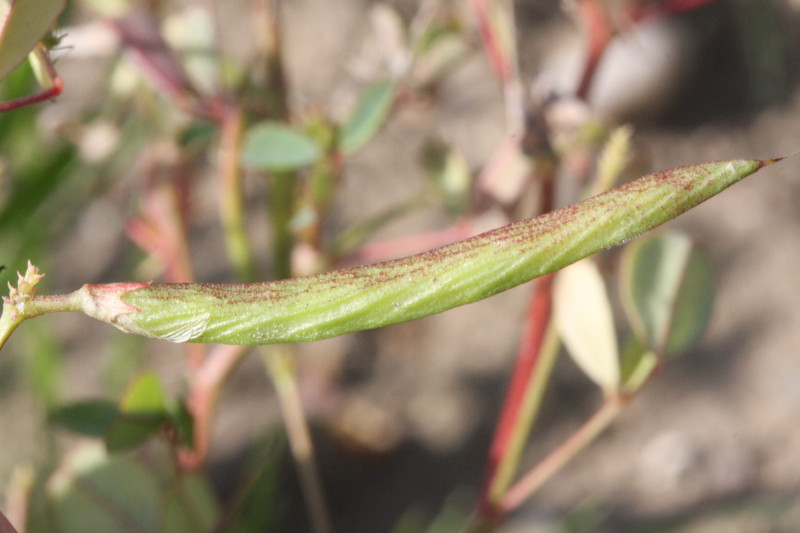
x: 280, y: 364
x: 545, y: 470
x: 48, y: 94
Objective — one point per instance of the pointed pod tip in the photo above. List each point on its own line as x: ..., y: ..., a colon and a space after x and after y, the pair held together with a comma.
x: 767, y: 162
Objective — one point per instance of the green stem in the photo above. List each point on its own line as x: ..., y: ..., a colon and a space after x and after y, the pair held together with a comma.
x: 280, y: 365
x: 281, y: 208
x: 18, y: 309
x: 231, y: 199
x: 529, y: 410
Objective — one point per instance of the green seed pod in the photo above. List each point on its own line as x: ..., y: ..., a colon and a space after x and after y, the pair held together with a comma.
x: 343, y: 301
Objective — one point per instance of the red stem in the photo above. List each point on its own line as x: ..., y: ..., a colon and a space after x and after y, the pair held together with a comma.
x: 639, y: 12
x: 494, y: 49
x: 47, y: 94
x: 5, y: 525
x: 533, y: 336
x: 202, y: 400
x: 599, y: 32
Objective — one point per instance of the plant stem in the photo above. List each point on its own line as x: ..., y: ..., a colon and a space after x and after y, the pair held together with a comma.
x: 268, y: 33
x: 599, y: 33
x: 528, y: 412
x: 18, y: 309
x: 538, y: 352
x: 206, y: 385
x: 231, y: 204
x: 534, y: 479
x: 282, y: 195
x: 279, y: 360
x: 56, y: 85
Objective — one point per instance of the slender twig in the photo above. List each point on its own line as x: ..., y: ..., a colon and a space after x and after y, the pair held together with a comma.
x: 280, y: 364
x: 599, y: 32
x: 545, y: 470
x: 639, y: 12
x: 47, y: 94
x: 268, y: 33
x: 206, y: 385
x: 534, y: 362
x: 5, y: 525
x: 491, y: 40
x: 282, y: 197
x: 231, y: 203
x: 54, y: 90
x: 22, y: 303
x: 500, y: 45
x: 537, y: 354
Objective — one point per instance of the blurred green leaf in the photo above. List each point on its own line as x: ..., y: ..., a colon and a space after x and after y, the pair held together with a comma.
x: 39, y: 181
x: 43, y: 363
x: 438, y: 52
x: 89, y: 417
x: 129, y: 431
x: 454, y: 514
x: 368, y: 116
x: 667, y: 291
x: 449, y: 170
x: 584, y: 321
x: 694, y: 305
x: 637, y: 365
x: 585, y: 518
x: 614, y: 159
x: 25, y: 23
x: 198, y: 135
x: 97, y: 492
x: 189, y: 506
x: 183, y: 421
x: 273, y: 146
x: 39, y: 514
x: 144, y: 412
x: 257, y: 507
x: 144, y: 395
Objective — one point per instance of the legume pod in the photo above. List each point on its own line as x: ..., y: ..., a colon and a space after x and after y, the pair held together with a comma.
x: 343, y: 301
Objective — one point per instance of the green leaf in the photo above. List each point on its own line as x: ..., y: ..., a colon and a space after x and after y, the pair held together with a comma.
x: 98, y: 492
x: 614, y: 159
x: 144, y: 413
x: 273, y: 146
x: 43, y: 366
x: 258, y: 505
x: 584, y: 321
x: 183, y: 422
x: 368, y: 116
x: 667, y: 291
x: 25, y: 23
x: 638, y: 364
x: 190, y: 506
x: 449, y: 169
x: 694, y: 304
x: 90, y: 417
x: 145, y: 395
x: 316, y: 307
x: 129, y: 431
